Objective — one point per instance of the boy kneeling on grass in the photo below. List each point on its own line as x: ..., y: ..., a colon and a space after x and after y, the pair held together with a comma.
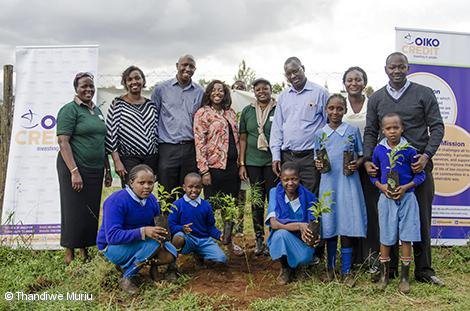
x: 192, y: 223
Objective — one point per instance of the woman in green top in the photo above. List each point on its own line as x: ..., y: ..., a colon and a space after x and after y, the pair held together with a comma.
x: 255, y: 156
x: 81, y: 165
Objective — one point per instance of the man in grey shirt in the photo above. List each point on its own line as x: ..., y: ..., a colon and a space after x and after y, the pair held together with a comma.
x: 177, y: 101
x: 424, y: 129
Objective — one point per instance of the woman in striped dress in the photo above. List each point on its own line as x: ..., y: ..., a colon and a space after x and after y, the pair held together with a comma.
x: 131, y: 123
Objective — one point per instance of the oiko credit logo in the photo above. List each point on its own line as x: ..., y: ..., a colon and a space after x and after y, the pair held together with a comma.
x: 37, y: 130
x: 420, y: 45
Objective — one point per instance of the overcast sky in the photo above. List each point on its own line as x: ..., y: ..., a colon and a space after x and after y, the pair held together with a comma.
x: 328, y: 36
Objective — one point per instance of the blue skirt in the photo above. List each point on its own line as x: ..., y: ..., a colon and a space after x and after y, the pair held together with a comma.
x: 130, y: 256
x: 284, y: 243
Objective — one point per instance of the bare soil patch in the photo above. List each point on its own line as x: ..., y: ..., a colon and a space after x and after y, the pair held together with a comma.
x: 245, y: 279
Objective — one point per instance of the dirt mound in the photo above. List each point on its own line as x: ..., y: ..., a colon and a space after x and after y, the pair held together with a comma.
x: 246, y: 278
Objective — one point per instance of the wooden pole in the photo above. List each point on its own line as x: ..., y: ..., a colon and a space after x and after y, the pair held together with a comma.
x: 6, y: 119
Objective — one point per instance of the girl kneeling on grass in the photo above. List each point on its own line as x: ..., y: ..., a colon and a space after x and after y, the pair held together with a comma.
x: 398, y: 208
x: 288, y: 218
x: 128, y: 236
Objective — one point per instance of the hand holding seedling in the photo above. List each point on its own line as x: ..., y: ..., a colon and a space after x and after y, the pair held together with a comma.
x: 384, y: 188
x: 156, y: 232
x: 318, y: 164
x: 187, y: 228
x: 305, y: 232
x: 352, y: 166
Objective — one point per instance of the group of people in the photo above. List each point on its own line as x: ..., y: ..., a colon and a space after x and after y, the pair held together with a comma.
x: 190, y: 137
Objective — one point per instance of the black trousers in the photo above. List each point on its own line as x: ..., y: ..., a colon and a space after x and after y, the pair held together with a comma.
x: 266, y: 179
x: 367, y: 249
x: 422, y: 250
x: 309, y: 175
x: 174, y: 162
x: 131, y: 161
x: 79, y: 211
x: 224, y: 181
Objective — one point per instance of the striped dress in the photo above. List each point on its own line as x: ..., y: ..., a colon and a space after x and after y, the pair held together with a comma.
x: 132, y: 128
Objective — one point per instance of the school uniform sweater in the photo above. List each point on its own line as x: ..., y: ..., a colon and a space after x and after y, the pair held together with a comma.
x: 123, y: 217
x: 201, y: 217
x: 402, y: 167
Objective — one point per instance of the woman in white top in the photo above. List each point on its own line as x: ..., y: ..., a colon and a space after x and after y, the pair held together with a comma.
x: 364, y: 249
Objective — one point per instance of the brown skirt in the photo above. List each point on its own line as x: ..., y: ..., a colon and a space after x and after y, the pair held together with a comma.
x: 79, y: 210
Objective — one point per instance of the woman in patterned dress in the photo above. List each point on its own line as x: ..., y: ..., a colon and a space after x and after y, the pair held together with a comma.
x: 216, y: 140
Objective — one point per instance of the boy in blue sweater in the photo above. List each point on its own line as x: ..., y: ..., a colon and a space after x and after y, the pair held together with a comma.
x: 398, y: 209
x: 192, y: 223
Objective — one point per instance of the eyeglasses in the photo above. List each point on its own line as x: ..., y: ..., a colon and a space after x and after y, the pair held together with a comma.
x: 294, y: 72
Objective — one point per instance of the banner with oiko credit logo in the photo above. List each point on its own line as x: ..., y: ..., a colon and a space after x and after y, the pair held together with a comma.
x: 44, y: 83
x: 441, y: 61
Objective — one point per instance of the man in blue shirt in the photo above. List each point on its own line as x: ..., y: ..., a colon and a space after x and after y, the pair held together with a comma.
x: 177, y: 101
x: 300, y: 112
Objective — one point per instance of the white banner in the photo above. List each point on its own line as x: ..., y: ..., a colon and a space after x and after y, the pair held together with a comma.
x: 44, y: 83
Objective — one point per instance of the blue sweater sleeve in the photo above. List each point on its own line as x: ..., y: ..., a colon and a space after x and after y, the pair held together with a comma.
x: 376, y: 161
x: 419, y: 177
x: 210, y: 223
x: 174, y: 219
x: 115, y: 209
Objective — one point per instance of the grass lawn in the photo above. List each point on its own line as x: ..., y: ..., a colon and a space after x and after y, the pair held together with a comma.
x: 42, y: 272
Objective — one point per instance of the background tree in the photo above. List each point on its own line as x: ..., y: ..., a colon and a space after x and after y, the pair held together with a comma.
x: 245, y: 74
x: 369, y: 91
x: 279, y: 87
x: 203, y: 83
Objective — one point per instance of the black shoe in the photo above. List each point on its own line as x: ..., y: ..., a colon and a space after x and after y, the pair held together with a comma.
x: 153, y: 272
x: 404, y: 285
x: 374, y: 274
x: 285, y: 276
x: 171, y: 274
x: 431, y: 280
x: 259, y: 248
x: 392, y: 274
x: 129, y: 286
x: 199, y: 262
x: 384, y: 275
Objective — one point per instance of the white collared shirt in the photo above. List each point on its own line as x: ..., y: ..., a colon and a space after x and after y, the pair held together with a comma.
x: 294, y: 204
x: 194, y: 203
x: 357, y: 119
x: 396, y: 94
x: 135, y: 197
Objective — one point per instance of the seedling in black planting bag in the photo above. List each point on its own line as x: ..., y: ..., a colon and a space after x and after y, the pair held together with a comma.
x: 322, y: 206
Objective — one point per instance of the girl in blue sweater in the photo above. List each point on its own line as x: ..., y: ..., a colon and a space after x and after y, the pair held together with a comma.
x: 398, y: 208
x: 128, y: 236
